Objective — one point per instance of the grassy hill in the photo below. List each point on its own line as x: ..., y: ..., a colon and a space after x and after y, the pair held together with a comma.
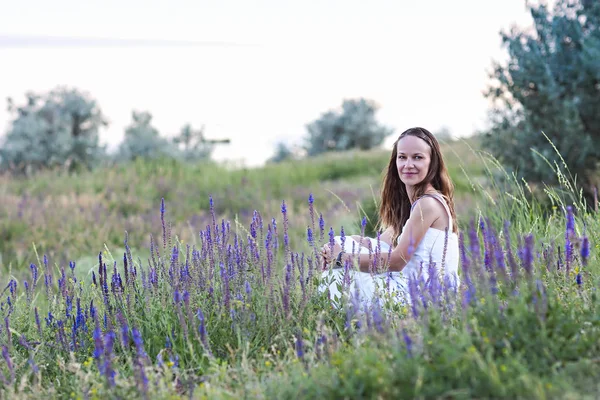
x: 70, y: 216
x: 216, y: 295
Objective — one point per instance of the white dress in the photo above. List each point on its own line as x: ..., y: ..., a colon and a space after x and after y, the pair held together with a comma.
x: 395, y: 285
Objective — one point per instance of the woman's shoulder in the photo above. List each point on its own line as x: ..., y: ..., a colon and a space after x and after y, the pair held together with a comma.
x: 430, y: 202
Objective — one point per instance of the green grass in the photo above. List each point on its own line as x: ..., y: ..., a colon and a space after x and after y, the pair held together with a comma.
x: 532, y: 335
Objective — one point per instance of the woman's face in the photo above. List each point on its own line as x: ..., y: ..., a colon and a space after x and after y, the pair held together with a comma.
x: 412, y: 160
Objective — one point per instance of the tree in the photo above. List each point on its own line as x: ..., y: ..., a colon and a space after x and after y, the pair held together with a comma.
x: 59, y: 128
x: 354, y: 127
x: 549, y: 86
x: 143, y: 140
x: 192, y: 144
x: 285, y: 152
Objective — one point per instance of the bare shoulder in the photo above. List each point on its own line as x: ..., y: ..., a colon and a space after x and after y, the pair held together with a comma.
x: 428, y: 205
x: 428, y: 208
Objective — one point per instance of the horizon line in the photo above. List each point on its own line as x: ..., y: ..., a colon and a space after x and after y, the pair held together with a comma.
x: 31, y: 41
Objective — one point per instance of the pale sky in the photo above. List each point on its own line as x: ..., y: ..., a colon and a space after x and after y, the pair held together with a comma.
x: 280, y: 63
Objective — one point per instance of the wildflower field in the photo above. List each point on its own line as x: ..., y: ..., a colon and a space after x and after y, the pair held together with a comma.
x: 164, y: 280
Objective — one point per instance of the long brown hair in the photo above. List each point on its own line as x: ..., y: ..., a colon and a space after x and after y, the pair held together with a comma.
x: 394, y: 209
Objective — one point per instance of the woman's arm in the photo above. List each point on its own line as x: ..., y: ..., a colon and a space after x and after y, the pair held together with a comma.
x: 425, y: 213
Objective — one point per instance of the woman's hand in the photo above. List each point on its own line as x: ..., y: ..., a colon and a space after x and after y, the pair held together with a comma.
x: 328, y: 253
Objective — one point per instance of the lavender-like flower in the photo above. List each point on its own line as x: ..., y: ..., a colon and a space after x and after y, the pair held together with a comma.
x: 49, y: 319
x: 139, y: 343
x: 474, y: 243
x: 275, y: 242
x: 569, y: 236
x: 378, y: 319
x: 528, y: 255
x: 487, y: 245
x: 9, y: 363
x: 34, y: 276
x: 37, y: 322
x: 514, y: 270
x: 109, y: 372
x: 570, y: 221
x: 407, y: 342
x: 98, y: 344
x: 299, y: 346
x: 162, y: 220
x: 585, y: 250
x: 69, y: 306
x: 286, y: 290
x: 413, y: 292
x: 321, y: 226
x: 124, y: 330
x: 363, y: 226
x: 331, y: 237
x: 125, y: 271
x: 12, y: 287
x: 33, y: 365
x: 202, y: 331
x: 311, y: 210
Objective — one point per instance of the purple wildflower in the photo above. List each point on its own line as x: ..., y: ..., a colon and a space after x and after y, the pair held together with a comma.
x: 331, y: 236
x: 527, y: 257
x: 98, y: 343
x: 139, y: 343
x: 27, y: 293
x: 311, y: 210
x: 109, y: 341
x: 34, y: 276
x: 202, y: 331
x: 378, y: 316
x: 570, y: 221
x: 514, y: 271
x: 37, y: 321
x: 321, y: 226
x: 299, y: 346
x: 162, y: 220
x: 474, y: 243
x: 585, y: 250
x: 286, y: 290
x: 407, y: 342
x: 9, y: 363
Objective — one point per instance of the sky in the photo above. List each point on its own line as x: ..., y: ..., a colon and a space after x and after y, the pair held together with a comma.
x: 257, y: 72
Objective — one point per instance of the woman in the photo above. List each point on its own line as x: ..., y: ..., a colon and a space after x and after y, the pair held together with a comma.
x: 417, y: 209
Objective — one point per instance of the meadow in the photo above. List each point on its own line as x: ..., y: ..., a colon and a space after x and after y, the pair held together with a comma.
x: 165, y: 280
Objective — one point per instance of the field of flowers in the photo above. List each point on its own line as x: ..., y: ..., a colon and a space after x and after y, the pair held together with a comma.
x: 171, y: 281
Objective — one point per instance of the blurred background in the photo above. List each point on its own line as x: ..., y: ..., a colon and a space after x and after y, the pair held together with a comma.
x: 258, y: 72
x: 111, y: 106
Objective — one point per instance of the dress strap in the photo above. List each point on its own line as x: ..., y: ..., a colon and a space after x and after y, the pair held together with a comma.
x: 441, y: 199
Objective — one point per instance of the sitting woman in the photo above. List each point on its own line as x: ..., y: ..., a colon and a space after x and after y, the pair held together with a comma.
x: 417, y: 209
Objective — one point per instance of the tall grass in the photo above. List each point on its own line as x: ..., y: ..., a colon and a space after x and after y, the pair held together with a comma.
x: 69, y: 216
x: 235, y: 312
